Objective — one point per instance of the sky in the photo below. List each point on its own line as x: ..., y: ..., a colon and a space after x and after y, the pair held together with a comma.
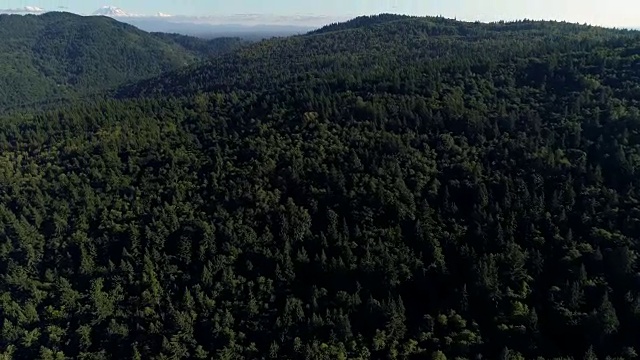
x: 613, y: 13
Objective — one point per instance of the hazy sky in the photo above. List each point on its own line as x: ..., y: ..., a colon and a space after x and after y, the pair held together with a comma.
x: 600, y: 12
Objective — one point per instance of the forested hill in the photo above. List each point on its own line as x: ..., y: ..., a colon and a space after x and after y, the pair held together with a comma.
x: 55, y: 56
x: 388, y: 53
x: 361, y: 21
x: 206, y: 47
x: 414, y: 189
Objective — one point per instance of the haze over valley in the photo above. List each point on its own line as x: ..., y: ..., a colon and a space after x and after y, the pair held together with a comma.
x: 206, y: 26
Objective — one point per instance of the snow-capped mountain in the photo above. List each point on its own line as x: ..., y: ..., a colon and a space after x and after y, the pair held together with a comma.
x: 112, y: 11
x: 33, y: 9
x: 116, y: 12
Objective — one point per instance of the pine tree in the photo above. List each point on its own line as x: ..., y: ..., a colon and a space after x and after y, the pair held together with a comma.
x: 590, y: 354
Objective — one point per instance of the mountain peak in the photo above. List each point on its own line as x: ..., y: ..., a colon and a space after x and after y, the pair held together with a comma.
x: 111, y: 11
x: 116, y: 12
x: 34, y: 9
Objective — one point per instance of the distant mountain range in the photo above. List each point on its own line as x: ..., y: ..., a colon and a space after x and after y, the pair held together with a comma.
x: 244, y: 25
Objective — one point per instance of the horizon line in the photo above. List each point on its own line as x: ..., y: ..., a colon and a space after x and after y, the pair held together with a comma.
x: 34, y: 10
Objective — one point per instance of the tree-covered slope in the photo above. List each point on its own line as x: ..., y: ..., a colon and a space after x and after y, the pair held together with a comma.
x: 57, y: 56
x: 206, y: 47
x: 361, y: 21
x: 478, y: 201
x: 390, y: 52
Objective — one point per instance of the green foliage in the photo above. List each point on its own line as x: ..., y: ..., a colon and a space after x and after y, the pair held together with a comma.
x: 407, y: 188
x: 60, y: 56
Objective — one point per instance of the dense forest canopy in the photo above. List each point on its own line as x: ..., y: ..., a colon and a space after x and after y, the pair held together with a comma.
x: 392, y: 52
x: 389, y: 188
x: 60, y: 56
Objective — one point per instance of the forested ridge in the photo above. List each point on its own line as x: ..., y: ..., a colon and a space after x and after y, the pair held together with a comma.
x: 391, y: 188
x: 57, y: 56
